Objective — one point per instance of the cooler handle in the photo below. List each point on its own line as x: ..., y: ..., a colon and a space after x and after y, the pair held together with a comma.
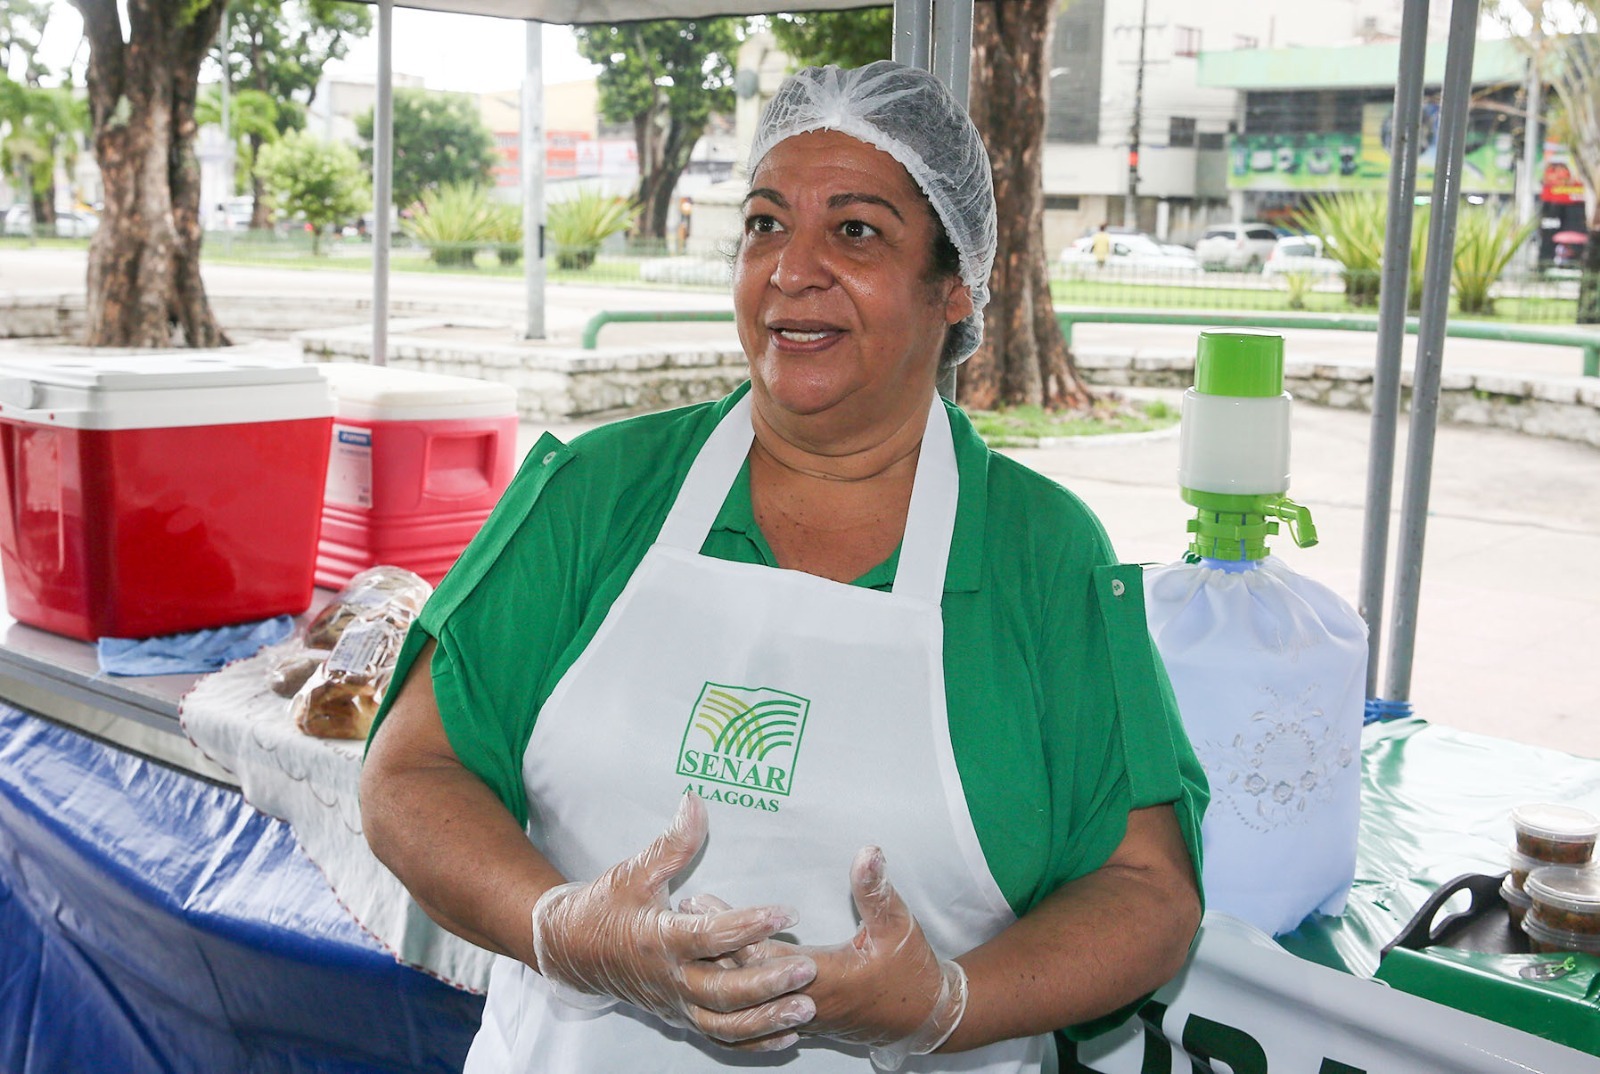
x: 459, y: 482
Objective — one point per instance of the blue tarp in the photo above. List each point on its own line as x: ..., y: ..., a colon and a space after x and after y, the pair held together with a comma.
x: 153, y: 922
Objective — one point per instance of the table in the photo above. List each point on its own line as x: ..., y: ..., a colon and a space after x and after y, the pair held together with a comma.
x: 155, y: 920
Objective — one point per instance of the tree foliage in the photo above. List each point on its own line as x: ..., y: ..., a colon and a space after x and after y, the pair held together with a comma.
x: 847, y: 38
x: 42, y: 127
x: 665, y: 78
x: 439, y: 140
x: 279, y: 49
x: 22, y: 24
x: 319, y: 181
x: 252, y: 121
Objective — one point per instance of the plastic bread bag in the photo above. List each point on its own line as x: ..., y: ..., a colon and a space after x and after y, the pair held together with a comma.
x: 393, y: 592
x: 290, y: 665
x: 342, y: 695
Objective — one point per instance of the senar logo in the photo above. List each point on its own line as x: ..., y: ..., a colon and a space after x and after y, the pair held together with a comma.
x: 745, y: 737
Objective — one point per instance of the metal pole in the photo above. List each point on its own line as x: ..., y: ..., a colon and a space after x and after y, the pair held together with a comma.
x: 382, y: 182
x: 1533, y: 142
x: 1130, y: 209
x: 1457, y: 101
x: 227, y: 125
x: 1392, y: 292
x: 952, y: 47
x: 532, y: 160
x: 913, y: 26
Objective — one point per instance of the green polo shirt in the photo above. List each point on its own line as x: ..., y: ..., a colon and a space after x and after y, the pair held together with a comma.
x: 1060, y: 713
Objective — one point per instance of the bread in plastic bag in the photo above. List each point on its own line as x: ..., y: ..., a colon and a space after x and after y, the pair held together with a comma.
x: 342, y: 695
x: 393, y: 592
x: 290, y: 666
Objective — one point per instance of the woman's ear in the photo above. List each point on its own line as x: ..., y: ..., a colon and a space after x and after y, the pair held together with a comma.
x: 958, y: 303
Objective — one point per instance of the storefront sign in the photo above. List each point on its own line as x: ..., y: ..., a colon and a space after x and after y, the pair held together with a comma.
x: 1350, y: 161
x: 1560, y: 184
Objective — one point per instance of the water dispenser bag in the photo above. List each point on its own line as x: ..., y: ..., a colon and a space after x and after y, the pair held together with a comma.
x: 1269, y: 669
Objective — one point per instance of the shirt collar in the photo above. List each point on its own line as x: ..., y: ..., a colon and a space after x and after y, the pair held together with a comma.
x: 972, y: 506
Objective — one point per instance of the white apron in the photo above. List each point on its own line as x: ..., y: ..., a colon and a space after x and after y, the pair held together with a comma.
x: 809, y: 714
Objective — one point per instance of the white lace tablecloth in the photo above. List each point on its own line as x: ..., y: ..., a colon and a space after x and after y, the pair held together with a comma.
x: 311, y: 783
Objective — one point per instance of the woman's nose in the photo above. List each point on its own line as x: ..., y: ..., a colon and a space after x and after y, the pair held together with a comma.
x: 802, y: 264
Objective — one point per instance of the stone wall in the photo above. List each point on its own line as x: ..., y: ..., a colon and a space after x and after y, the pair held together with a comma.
x: 552, y: 383
x: 1562, y: 408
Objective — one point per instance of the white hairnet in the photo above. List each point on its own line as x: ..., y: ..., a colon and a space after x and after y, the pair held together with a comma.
x: 911, y: 116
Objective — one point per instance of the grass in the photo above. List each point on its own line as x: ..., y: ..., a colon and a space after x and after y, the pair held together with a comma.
x: 1028, y: 426
x: 1512, y: 308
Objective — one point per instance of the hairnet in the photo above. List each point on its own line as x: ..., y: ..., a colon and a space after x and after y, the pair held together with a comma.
x: 911, y: 116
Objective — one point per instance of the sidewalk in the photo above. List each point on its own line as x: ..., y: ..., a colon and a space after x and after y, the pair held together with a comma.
x: 1510, y: 608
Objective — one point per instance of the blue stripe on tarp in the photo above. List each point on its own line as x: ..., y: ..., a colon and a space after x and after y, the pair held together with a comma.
x: 150, y: 921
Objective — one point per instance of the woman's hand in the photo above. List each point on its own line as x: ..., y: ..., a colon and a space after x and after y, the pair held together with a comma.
x: 616, y: 938
x: 885, y: 988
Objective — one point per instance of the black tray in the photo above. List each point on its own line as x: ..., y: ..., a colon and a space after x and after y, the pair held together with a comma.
x: 1484, y: 926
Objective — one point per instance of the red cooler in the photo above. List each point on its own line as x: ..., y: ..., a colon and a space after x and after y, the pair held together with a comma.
x: 418, y: 462
x: 156, y: 493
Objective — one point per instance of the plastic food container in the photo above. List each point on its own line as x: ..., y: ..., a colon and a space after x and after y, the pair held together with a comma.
x: 1516, y: 900
x: 418, y: 460
x: 1521, y: 865
x: 155, y: 493
x: 1565, y: 899
x: 1544, y: 939
x: 1559, y: 834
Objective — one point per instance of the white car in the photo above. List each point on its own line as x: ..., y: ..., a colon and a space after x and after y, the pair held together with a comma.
x: 1300, y: 253
x: 1132, y: 252
x: 1240, y: 247
x: 76, y: 225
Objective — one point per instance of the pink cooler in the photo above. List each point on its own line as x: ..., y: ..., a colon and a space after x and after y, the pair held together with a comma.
x: 157, y: 493
x: 418, y: 462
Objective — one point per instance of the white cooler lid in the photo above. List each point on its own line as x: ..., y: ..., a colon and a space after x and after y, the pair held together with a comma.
x: 364, y: 392
x: 161, y: 389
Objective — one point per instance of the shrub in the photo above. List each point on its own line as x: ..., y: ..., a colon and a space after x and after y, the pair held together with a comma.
x: 1299, y: 285
x: 579, y: 224
x: 1352, y: 225
x: 505, y: 232
x: 1486, y: 241
x: 318, y: 181
x: 452, y: 222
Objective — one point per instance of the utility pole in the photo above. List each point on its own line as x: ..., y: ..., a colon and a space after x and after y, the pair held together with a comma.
x: 1130, y: 214
x: 1533, y: 141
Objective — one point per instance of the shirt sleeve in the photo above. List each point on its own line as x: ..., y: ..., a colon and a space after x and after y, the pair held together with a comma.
x: 498, y: 617
x: 1147, y: 760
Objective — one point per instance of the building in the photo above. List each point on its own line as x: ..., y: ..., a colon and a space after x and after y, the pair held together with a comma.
x: 1135, y: 135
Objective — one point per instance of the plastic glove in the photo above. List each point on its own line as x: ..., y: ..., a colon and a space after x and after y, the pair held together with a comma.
x: 617, y: 939
x: 872, y: 989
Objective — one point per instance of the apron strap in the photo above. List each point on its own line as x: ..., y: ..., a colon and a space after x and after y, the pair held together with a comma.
x: 930, y: 520
x: 710, y: 477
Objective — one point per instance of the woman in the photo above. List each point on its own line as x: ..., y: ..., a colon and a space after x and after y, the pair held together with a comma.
x: 946, y: 678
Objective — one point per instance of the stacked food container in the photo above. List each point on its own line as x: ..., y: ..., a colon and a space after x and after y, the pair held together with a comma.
x: 1553, y: 887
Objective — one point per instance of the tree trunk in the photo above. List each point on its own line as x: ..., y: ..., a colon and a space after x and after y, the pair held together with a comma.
x: 260, y: 211
x: 1024, y: 358
x: 144, y: 284
x: 656, y: 187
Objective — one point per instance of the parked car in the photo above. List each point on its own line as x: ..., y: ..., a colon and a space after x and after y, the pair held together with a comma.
x: 1236, y: 246
x: 19, y: 220
x: 72, y: 224
x: 1300, y: 253
x: 1133, y: 251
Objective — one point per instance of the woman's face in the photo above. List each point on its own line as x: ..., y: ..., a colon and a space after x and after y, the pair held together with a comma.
x: 831, y: 290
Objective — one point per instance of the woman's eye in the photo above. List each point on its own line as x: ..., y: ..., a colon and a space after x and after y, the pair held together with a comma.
x: 856, y: 229
x: 761, y: 225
